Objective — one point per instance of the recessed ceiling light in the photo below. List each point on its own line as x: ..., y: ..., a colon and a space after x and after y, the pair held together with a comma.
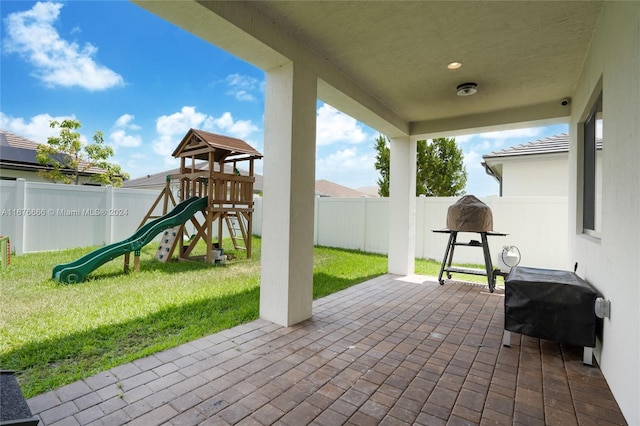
x: 467, y: 89
x: 454, y: 65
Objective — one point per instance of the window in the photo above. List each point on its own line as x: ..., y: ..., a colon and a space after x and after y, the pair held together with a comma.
x: 592, y: 171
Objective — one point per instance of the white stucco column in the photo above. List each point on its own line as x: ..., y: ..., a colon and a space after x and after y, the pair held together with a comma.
x: 402, y: 206
x: 286, y: 284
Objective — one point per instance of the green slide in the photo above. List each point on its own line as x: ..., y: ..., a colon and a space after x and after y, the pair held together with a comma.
x: 75, y: 272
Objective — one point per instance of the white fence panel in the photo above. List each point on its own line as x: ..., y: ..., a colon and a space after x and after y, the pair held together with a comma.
x: 9, y: 222
x: 377, y: 226
x: 257, y: 215
x: 431, y: 213
x: 72, y: 216
x: 536, y: 225
x: 43, y: 216
x: 340, y: 222
x: 129, y: 208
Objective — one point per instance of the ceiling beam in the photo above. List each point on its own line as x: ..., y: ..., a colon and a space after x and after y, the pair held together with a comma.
x: 544, y: 114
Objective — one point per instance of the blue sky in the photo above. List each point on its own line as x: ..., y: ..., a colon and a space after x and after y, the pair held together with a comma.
x: 144, y: 82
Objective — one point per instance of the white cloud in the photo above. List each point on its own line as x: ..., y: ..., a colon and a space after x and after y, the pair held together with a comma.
x: 463, y: 138
x: 244, y: 96
x: 57, y: 62
x: 241, y: 86
x: 349, y: 167
x: 119, y: 135
x: 473, y: 160
x: 125, y: 121
x: 172, y: 128
x: 500, y: 136
x: 36, y: 128
x: 121, y: 138
x: 228, y: 126
x: 333, y: 126
x: 503, y: 135
x: 340, y: 159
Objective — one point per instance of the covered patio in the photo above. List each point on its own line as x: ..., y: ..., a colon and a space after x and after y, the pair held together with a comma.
x: 398, y: 67
x: 393, y: 350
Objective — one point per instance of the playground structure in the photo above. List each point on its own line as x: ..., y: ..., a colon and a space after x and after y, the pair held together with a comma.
x: 211, y: 191
x: 76, y: 271
x: 5, y: 251
x: 209, y: 168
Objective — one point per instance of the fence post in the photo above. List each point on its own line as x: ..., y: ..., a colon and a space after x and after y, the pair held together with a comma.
x: 316, y: 219
x: 108, y: 205
x: 364, y: 224
x: 419, y: 225
x: 21, y: 220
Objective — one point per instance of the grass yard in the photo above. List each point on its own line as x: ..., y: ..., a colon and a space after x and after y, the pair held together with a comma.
x: 53, y: 334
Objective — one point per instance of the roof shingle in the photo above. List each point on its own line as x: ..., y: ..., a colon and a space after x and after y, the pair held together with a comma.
x: 232, y: 146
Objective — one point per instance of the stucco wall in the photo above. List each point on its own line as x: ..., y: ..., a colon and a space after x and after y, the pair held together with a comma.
x: 610, y: 262
x: 535, y: 176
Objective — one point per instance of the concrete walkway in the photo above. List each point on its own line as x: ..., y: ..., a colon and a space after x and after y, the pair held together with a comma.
x: 393, y: 351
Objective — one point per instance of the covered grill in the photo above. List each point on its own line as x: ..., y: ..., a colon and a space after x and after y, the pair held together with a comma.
x: 469, y: 214
x: 553, y: 305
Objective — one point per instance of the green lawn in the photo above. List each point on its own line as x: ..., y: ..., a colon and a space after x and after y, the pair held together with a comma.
x: 53, y: 334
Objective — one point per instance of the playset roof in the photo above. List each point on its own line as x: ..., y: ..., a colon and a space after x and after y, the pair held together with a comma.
x: 198, y: 143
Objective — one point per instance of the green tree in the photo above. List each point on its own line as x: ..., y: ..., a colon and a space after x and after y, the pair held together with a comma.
x: 382, y: 164
x: 440, y: 170
x: 67, y: 157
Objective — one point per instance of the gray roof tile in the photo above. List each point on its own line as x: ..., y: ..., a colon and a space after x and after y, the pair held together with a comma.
x: 550, y: 145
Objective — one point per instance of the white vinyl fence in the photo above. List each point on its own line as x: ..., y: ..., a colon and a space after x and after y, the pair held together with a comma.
x: 536, y: 225
x: 44, y: 216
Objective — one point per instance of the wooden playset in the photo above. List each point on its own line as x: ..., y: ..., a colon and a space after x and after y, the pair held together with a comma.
x: 209, y: 167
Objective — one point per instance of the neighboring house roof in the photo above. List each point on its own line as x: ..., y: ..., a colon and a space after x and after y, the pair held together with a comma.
x: 371, y: 191
x: 325, y: 188
x: 201, y: 142
x: 19, y: 153
x: 556, y: 144
x: 158, y: 180
x: 550, y: 145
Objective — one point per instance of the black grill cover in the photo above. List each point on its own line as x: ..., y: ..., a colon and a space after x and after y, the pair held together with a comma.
x: 550, y: 304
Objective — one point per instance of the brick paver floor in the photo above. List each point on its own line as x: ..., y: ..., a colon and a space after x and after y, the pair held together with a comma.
x: 390, y: 351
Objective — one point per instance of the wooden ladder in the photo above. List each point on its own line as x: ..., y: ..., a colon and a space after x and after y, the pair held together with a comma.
x: 237, y: 230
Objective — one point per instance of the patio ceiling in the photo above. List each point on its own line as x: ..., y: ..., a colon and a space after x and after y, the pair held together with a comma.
x: 385, y: 62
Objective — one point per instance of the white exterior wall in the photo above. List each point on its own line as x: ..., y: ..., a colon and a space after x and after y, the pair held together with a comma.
x: 535, y: 176
x: 611, y: 262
